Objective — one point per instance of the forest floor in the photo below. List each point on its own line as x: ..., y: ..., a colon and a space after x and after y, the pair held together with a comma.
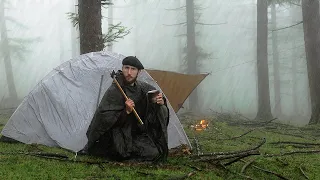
x: 232, y: 147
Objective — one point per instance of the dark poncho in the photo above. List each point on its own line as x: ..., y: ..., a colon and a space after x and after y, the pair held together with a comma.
x: 119, y: 136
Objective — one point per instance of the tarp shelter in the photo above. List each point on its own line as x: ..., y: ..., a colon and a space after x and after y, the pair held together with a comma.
x: 58, y: 111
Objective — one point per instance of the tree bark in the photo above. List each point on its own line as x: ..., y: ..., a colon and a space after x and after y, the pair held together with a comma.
x: 264, y: 109
x: 311, y: 29
x: 6, y: 54
x: 191, y: 51
x: 90, y: 26
x: 276, y: 73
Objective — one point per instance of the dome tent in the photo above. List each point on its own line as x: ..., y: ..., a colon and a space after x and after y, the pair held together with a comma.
x: 58, y: 111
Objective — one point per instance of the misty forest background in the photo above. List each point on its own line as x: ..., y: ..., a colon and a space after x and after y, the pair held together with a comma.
x: 262, y: 55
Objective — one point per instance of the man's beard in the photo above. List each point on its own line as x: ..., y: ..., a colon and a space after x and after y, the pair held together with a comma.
x: 129, y: 82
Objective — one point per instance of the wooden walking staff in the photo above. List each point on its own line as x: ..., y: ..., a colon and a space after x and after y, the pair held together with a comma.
x: 113, y: 74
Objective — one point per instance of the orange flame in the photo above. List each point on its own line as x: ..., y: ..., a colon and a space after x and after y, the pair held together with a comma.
x: 203, y: 124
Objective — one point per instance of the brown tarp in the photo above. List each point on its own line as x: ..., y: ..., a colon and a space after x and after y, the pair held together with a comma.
x: 176, y: 86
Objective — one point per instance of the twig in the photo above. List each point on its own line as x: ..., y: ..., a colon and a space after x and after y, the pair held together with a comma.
x: 246, y: 165
x: 293, y: 152
x: 268, y: 171
x: 304, y: 174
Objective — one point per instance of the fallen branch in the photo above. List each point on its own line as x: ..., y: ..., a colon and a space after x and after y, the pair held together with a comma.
x: 233, y: 152
x: 293, y: 152
x: 268, y: 171
x: 38, y: 154
x: 237, y: 159
x: 246, y: 165
x: 300, y: 143
x: 294, y: 135
x: 235, y: 137
x: 303, y: 173
x: 229, y: 156
x: 263, y: 123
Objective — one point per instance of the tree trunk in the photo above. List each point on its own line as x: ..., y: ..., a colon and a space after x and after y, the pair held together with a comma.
x: 191, y: 51
x: 311, y: 28
x: 6, y: 55
x: 110, y: 21
x: 276, y: 73
x: 294, y: 72
x: 264, y: 109
x: 90, y: 26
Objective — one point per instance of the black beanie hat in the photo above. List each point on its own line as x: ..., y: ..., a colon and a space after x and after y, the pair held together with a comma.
x: 132, y: 61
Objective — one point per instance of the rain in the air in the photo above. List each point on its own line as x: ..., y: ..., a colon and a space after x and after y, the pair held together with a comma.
x: 159, y: 89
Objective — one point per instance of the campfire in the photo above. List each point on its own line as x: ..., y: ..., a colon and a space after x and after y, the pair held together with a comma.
x: 202, y: 125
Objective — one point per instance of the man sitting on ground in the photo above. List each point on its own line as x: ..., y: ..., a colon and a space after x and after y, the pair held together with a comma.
x: 116, y: 133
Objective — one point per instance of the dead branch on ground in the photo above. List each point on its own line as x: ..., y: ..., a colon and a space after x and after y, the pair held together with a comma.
x: 293, y: 152
x: 235, y: 137
x: 268, y: 171
x: 246, y: 165
x: 229, y: 156
x: 303, y: 173
x: 233, y: 152
x: 300, y: 143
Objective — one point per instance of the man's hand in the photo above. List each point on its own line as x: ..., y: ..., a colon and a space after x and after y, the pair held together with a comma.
x: 129, y: 106
x: 159, y: 99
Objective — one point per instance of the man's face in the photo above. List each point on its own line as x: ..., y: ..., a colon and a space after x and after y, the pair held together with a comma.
x: 130, y: 73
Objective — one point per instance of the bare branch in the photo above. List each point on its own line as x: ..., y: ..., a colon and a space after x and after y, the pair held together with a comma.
x: 179, y: 8
x: 288, y: 26
x: 209, y: 24
x: 182, y: 23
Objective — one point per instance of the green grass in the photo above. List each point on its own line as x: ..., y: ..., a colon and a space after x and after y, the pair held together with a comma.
x: 215, y: 139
